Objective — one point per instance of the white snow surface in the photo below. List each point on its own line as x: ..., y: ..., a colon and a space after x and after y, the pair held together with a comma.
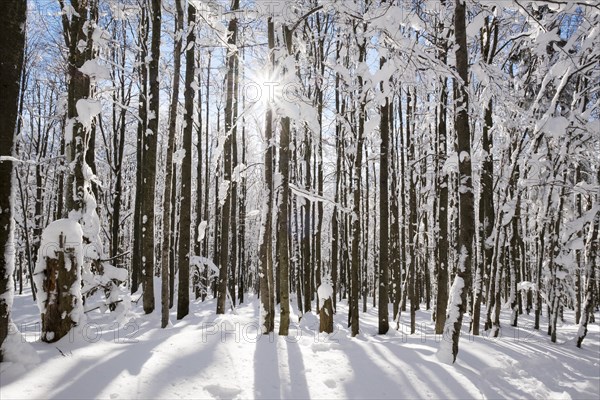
x: 209, y: 357
x: 19, y: 355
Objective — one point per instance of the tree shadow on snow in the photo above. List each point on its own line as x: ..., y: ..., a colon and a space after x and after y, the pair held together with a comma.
x: 267, y: 384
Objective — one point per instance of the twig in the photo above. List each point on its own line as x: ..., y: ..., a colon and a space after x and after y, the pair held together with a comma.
x: 98, y: 307
x: 117, y: 256
x: 63, y: 354
x: 141, y: 295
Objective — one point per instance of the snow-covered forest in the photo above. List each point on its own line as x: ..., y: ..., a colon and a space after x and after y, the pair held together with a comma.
x: 299, y: 199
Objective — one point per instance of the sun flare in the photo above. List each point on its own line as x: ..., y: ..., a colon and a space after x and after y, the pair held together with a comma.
x: 262, y: 88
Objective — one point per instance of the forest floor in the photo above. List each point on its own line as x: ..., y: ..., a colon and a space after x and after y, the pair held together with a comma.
x: 205, y: 356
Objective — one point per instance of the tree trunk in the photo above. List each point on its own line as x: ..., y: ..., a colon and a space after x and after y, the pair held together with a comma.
x: 227, y: 200
x: 442, y: 240
x: 384, y: 130
x: 590, y: 276
x: 412, y: 205
x: 206, y: 176
x: 486, y: 217
x: 462, y: 281
x: 516, y: 259
x: 395, y: 260
x: 199, y: 238
x: 242, y: 266
x: 306, y: 227
x: 185, y: 213
x: 335, y: 234
x: 283, y: 227
x: 168, y: 237
x: 149, y: 158
x: 486, y: 198
x: 58, y: 277
x: 326, y: 312
x: 12, y: 48
x: 136, y: 254
x: 265, y: 266
x: 234, y: 184
x: 356, y: 199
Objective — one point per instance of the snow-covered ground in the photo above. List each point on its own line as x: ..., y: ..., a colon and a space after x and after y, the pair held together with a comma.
x: 204, y: 356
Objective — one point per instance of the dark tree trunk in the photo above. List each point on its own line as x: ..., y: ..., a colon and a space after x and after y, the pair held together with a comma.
x: 590, y: 275
x: 306, y: 228
x: 395, y: 260
x: 12, y: 48
x: 265, y: 266
x: 224, y: 261
x: 198, y: 239
x: 412, y: 206
x: 442, y: 240
x: 326, y: 316
x: 486, y: 199
x: 234, y: 184
x: 206, y: 177
x: 356, y: 200
x: 384, y: 130
x: 462, y: 280
x: 168, y: 238
x: 149, y: 163
x: 60, y: 306
x: 185, y: 216
x: 136, y: 254
x: 283, y: 225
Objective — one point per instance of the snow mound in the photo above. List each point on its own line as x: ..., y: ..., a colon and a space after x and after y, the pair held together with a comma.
x: 19, y: 356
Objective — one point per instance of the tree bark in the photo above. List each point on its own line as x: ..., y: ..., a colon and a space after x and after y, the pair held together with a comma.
x: 149, y: 159
x: 442, y: 239
x: 185, y: 213
x: 384, y: 130
x: 283, y: 227
x: 265, y: 266
x: 462, y: 281
x: 12, y: 48
x: 136, y: 254
x: 590, y: 276
x: 412, y: 209
x: 486, y: 198
x: 356, y: 200
x: 168, y: 237
x: 224, y: 262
